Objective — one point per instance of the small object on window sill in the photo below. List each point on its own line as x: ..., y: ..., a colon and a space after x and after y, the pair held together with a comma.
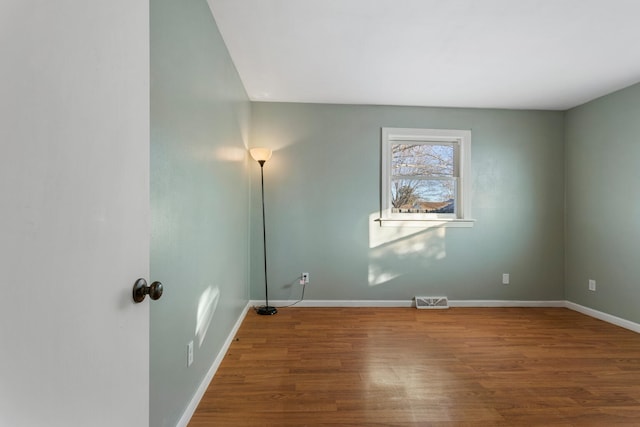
x: 425, y: 223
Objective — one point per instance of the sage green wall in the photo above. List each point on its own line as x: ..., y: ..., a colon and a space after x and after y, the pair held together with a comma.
x: 322, y: 194
x: 199, y: 200
x: 603, y: 207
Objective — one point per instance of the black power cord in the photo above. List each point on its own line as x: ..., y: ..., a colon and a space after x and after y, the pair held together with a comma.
x: 304, y: 286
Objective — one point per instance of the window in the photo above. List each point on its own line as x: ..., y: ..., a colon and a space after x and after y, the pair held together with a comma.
x: 425, y: 177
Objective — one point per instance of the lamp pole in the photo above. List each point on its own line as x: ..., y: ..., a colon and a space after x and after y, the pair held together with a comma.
x: 265, y: 309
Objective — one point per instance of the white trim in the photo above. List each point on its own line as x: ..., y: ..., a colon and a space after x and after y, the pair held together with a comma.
x: 410, y: 303
x: 339, y: 303
x: 195, y: 401
x: 429, y: 223
x: 505, y: 303
x: 623, y: 323
x: 459, y: 138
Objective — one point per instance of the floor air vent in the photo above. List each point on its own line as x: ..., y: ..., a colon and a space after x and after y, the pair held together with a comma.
x: 432, y: 302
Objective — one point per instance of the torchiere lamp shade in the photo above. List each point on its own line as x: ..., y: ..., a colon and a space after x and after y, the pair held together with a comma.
x: 260, y: 154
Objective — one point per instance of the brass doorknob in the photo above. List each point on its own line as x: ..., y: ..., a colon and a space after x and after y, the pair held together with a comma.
x: 141, y: 290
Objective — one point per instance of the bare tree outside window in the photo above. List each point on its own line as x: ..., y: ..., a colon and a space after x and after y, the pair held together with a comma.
x: 423, y: 178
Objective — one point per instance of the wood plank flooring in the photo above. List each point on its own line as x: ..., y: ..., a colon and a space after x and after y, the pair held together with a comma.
x: 408, y: 367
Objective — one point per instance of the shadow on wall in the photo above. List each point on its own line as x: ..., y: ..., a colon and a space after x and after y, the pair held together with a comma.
x: 395, y: 250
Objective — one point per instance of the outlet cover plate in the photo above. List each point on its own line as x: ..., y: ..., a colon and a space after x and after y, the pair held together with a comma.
x: 190, y: 353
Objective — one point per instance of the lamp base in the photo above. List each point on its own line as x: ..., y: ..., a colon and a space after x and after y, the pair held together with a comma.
x: 266, y: 310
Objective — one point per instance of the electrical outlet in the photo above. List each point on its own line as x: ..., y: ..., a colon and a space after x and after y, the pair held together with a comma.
x: 592, y: 285
x: 189, y: 353
x: 505, y: 278
x: 304, y: 278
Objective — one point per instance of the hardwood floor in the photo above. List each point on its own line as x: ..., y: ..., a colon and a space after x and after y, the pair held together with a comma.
x: 408, y: 367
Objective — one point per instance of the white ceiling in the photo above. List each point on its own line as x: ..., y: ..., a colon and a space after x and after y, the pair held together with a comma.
x: 522, y: 54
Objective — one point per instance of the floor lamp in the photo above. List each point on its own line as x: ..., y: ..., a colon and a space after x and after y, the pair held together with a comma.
x: 261, y: 155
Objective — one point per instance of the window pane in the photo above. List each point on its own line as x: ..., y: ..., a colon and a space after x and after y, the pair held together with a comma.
x: 422, y: 160
x: 423, y: 195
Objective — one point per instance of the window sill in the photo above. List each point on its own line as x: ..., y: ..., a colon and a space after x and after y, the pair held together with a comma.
x: 426, y: 223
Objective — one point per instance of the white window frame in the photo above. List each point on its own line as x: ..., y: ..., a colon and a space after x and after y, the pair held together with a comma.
x: 461, y: 139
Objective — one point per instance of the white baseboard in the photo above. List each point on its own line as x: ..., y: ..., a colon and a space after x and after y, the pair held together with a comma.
x: 410, y: 303
x: 338, y: 303
x: 505, y: 303
x: 623, y: 323
x: 618, y: 321
x: 193, y: 405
